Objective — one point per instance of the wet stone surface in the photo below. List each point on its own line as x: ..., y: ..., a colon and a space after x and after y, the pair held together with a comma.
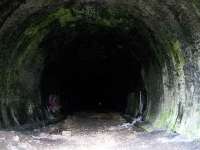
x: 94, y: 131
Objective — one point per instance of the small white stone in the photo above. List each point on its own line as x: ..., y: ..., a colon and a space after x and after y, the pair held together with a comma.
x: 16, y: 138
x: 66, y: 133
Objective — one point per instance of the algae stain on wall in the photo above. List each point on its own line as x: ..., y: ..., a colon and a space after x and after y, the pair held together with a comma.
x: 173, y: 97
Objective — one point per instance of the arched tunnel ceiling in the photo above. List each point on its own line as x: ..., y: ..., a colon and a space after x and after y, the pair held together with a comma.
x: 171, y: 77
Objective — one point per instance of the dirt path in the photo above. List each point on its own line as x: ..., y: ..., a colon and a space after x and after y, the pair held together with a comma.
x: 94, y: 131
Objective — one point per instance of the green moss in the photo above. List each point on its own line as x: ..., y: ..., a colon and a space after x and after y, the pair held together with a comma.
x: 64, y: 16
x: 103, y: 16
x: 196, y: 3
x: 31, y: 31
x: 176, y: 52
x: 104, y: 22
x: 171, y: 47
x: 33, y: 35
x: 165, y: 120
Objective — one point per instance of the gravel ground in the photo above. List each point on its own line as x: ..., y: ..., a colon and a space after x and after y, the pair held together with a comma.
x: 94, y: 131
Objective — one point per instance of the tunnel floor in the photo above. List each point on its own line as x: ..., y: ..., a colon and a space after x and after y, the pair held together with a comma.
x: 94, y: 131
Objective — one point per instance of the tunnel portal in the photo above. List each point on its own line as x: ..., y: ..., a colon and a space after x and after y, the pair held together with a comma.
x: 101, y: 55
x: 92, y: 68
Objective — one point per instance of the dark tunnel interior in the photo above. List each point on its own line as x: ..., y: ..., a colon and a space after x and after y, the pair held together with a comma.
x: 92, y: 68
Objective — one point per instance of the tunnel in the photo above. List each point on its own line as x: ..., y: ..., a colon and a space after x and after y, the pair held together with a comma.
x: 139, y: 58
x: 94, y: 69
